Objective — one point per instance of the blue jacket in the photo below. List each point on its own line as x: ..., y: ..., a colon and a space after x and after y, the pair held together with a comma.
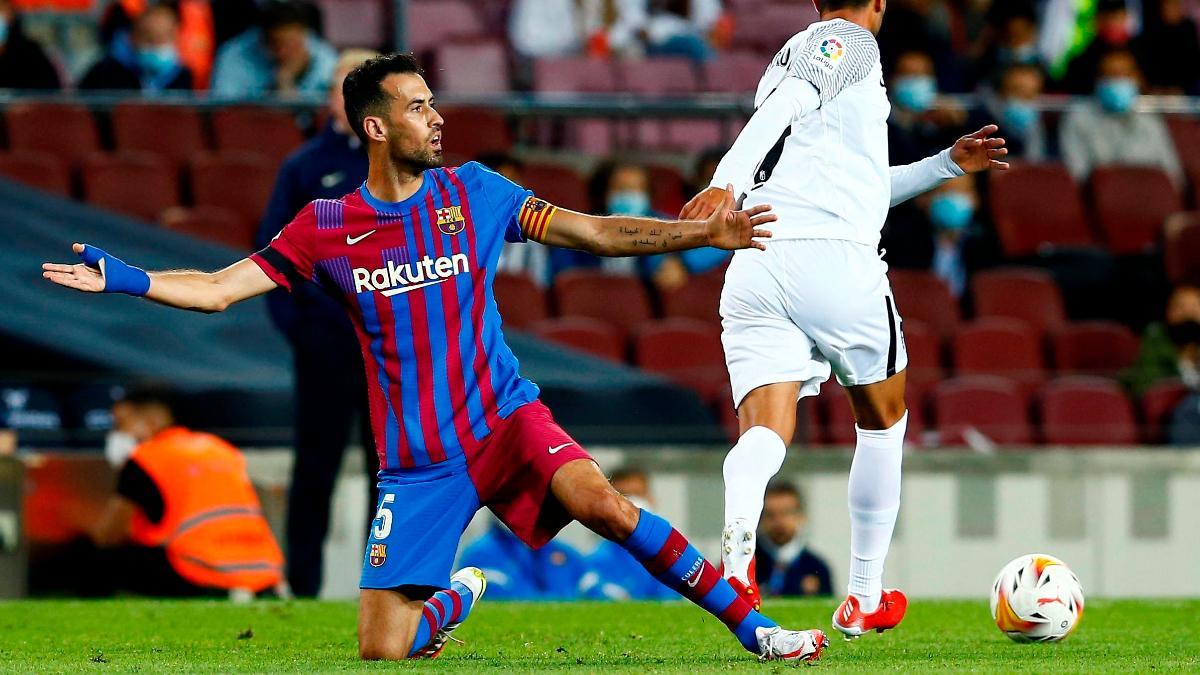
x: 615, y: 575
x: 243, y: 69
x: 516, y: 572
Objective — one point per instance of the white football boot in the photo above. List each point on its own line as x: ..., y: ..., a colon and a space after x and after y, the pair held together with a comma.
x: 779, y: 644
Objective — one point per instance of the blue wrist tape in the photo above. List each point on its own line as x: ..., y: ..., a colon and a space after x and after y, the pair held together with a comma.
x: 118, y: 276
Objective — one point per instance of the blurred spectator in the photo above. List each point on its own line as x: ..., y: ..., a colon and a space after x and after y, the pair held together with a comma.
x: 654, y: 27
x: 1113, y: 31
x: 516, y: 572
x: 185, y: 519
x: 1015, y: 108
x: 614, y: 574
x: 530, y: 258
x: 1014, y: 23
x: 922, y: 26
x: 935, y: 231
x: 1171, y: 348
x: 283, y: 55
x: 144, y: 58
x: 920, y: 125
x: 1106, y: 130
x: 23, y: 63
x: 330, y: 393
x: 783, y: 563
x: 527, y: 27
x: 623, y: 188
x: 1169, y: 48
x: 196, y: 43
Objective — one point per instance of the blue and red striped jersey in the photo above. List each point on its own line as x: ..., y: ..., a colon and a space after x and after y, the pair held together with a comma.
x: 416, y: 278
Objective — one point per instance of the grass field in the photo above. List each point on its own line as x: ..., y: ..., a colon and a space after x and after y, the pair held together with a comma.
x: 150, y: 636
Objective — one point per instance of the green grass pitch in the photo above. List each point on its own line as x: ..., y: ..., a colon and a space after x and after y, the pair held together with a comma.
x: 181, y: 636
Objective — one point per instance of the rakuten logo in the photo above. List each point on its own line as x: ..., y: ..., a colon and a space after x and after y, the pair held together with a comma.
x: 395, y: 279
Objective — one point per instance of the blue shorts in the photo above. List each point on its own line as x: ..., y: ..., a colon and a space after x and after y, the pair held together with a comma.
x: 422, y: 512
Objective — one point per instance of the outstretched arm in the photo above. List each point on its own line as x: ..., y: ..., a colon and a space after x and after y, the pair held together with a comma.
x: 970, y: 154
x: 186, y: 289
x: 625, y: 235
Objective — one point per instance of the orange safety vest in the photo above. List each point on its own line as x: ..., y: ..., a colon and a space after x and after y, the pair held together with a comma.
x: 212, y: 527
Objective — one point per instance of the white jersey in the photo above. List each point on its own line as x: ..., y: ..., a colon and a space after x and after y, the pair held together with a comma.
x: 827, y: 177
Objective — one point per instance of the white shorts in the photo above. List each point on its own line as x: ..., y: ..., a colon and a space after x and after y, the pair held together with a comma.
x: 805, y: 307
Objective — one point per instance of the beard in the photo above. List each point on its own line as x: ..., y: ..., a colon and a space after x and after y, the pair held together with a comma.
x: 420, y: 159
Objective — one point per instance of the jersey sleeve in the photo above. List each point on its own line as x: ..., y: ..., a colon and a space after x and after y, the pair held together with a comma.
x: 506, y: 198
x: 835, y: 57
x: 288, y: 259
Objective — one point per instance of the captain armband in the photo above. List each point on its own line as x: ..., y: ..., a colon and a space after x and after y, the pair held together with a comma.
x: 534, y: 218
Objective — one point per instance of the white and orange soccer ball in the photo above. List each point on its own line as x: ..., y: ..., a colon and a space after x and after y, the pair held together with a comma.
x: 1037, y: 598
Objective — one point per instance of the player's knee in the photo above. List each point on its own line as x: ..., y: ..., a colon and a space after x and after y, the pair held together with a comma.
x: 610, y: 515
x: 882, y: 414
x: 382, y: 648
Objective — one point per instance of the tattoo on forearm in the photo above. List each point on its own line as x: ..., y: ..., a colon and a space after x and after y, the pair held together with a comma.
x: 630, y: 230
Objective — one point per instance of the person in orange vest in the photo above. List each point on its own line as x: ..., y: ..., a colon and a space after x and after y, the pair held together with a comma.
x: 184, y: 512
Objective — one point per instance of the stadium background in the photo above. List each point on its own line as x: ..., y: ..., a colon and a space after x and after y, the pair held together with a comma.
x: 1028, y: 432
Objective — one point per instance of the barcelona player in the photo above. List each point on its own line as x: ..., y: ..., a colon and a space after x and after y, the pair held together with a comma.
x: 412, y: 255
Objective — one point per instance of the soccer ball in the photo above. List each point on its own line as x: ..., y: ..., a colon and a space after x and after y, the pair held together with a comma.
x: 1037, y: 598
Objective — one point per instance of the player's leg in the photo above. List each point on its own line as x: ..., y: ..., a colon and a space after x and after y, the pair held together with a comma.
x: 587, y: 496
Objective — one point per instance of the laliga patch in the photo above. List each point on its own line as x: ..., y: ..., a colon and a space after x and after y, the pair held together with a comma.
x: 829, y: 54
x: 450, y: 220
x: 378, y: 555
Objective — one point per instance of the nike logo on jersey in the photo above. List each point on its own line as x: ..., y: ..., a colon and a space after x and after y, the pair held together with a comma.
x: 350, y: 241
x: 395, y: 279
x: 556, y: 448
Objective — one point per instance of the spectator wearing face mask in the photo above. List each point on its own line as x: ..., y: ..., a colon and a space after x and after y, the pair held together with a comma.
x: 283, y: 55
x: 1170, y: 48
x: 614, y: 574
x: 1106, y: 130
x: 1014, y: 106
x: 144, y: 58
x: 23, y: 63
x: 1114, y: 26
x: 920, y: 124
x: 1171, y: 349
x: 1015, y: 41
x: 935, y: 232
x: 784, y: 564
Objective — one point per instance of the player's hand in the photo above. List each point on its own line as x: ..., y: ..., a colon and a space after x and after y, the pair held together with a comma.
x: 980, y: 152
x: 703, y: 205
x: 79, y: 276
x: 731, y: 230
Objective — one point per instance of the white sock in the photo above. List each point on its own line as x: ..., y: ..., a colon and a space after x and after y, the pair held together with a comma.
x: 749, y: 466
x: 874, y: 502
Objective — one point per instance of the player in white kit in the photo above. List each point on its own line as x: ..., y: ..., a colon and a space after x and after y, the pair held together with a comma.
x: 818, y: 299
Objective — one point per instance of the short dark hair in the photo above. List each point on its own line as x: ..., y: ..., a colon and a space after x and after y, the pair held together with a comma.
x: 279, y: 13
x: 785, y: 488
x: 363, y: 91
x: 146, y: 395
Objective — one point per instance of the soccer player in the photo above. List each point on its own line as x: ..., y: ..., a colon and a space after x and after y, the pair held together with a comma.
x: 818, y: 300
x: 412, y: 255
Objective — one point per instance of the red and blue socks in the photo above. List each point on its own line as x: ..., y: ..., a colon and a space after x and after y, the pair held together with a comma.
x: 445, y: 607
x: 667, y: 555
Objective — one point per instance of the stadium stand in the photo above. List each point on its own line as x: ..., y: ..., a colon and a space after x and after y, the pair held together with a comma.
x: 521, y: 302
x: 583, y: 334
x: 987, y: 405
x: 174, y: 131
x: 923, y: 296
x: 75, y: 135
x: 136, y: 183
x: 698, y: 299
x: 238, y: 181
x: 658, y: 347
x: 1182, y: 248
x: 1001, y: 347
x: 620, y: 301
x: 1086, y: 411
x: 1025, y: 221
x: 1130, y: 205
x: 270, y: 132
x: 41, y: 170
x: 1029, y: 295
x: 1100, y: 348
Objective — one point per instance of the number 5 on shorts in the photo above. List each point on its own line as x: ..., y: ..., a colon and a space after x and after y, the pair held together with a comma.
x: 383, y: 518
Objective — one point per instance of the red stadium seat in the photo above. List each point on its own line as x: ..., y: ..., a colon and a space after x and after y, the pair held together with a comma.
x: 583, y: 334
x: 521, y: 302
x: 174, y: 131
x: 67, y: 131
x: 620, y: 301
x: 1094, y: 348
x: 472, y: 68
x: 1035, y: 206
x: 657, y: 76
x: 238, y: 181
x: 1158, y: 404
x: 1019, y: 293
x: 1185, y: 131
x: 692, y: 136
x: 557, y: 184
x: 924, y: 354
x: 836, y: 417
x: 1130, y: 204
x: 667, y: 187
x: 767, y: 28
x: 683, y: 350
x: 37, y: 169
x: 212, y: 223
x: 733, y: 72
x: 699, y: 299
x: 270, y: 132
x: 1003, y: 347
x: 991, y: 406
x: 138, y: 184
x: 354, y: 23
x: 472, y: 131
x: 432, y: 23
x: 921, y: 295
x: 1086, y: 411
x: 1181, y: 252
x: 1193, y: 178
x: 574, y: 74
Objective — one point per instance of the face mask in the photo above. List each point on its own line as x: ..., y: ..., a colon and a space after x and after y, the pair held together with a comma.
x: 1117, y: 94
x: 629, y: 203
x: 1184, y: 333
x: 118, y: 446
x: 1019, y: 116
x: 951, y: 210
x: 158, y: 60
x: 916, y: 92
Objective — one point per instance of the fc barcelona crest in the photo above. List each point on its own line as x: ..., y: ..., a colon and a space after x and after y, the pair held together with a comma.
x: 450, y: 220
x: 378, y: 555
